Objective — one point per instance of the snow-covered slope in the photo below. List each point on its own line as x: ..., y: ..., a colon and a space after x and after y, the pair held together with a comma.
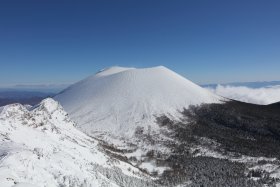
x: 41, y: 147
x: 117, y: 100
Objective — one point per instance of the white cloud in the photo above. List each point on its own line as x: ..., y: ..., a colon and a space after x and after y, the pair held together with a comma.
x: 265, y: 95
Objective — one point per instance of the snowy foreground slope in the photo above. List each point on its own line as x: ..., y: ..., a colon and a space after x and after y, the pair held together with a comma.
x: 117, y: 100
x: 41, y: 147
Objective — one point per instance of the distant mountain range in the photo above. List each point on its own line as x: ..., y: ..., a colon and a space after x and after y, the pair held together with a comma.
x: 45, y: 88
x: 9, y: 96
x: 28, y: 94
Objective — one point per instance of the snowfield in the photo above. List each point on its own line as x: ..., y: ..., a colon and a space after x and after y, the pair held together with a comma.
x: 41, y: 147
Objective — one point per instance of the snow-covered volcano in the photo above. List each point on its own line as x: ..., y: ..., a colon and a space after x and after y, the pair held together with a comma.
x: 119, y: 99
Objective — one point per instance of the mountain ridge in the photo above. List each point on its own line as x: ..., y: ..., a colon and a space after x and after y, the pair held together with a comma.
x: 40, y: 146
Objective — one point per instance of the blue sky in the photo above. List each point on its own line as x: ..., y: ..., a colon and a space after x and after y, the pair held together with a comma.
x: 54, y: 42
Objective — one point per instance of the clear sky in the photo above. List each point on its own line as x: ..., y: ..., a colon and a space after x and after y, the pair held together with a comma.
x: 207, y: 41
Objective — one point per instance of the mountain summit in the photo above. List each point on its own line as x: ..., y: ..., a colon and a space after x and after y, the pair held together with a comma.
x: 118, y: 99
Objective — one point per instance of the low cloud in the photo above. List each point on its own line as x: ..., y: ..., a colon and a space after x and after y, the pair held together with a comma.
x: 263, y: 96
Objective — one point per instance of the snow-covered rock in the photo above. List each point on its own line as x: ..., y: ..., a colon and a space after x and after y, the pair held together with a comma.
x: 42, y: 147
